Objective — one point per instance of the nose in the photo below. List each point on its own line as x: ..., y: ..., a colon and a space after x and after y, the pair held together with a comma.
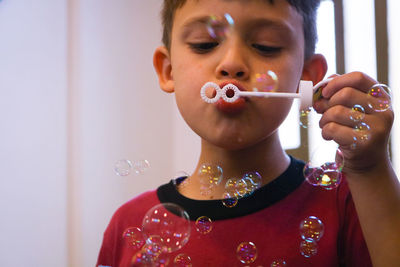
x: 233, y: 63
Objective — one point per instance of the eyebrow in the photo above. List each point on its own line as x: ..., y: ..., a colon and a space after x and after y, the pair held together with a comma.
x: 196, y: 21
x: 253, y: 23
x: 268, y: 23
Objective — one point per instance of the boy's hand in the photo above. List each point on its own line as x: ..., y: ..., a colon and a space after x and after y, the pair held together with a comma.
x: 362, y: 150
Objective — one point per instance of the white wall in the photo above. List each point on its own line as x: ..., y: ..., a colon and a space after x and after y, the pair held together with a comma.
x: 117, y: 111
x: 33, y: 133
x: 78, y: 92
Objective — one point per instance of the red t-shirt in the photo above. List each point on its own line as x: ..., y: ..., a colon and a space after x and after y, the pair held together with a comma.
x: 269, y: 218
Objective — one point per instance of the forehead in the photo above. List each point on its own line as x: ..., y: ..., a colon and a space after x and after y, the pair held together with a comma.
x: 245, y: 12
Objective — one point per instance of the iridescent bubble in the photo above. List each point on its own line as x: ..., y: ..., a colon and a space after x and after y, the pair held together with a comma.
x: 161, y: 261
x: 324, y: 170
x: 153, y: 250
x: 182, y: 260
x: 220, y: 27
x: 379, y: 97
x: 246, y: 252
x: 155, y: 239
x: 362, y: 132
x: 210, y: 174
x: 331, y: 177
x: 206, y: 190
x: 241, y: 187
x: 278, y: 263
x: 141, y: 259
x: 308, y: 248
x: 311, y: 228
x: 230, y: 187
x: 357, y: 113
x: 170, y: 223
x: 229, y: 200
x: 253, y: 181
x: 133, y: 237
x: 304, y: 118
x: 203, y: 225
x: 312, y: 174
x: 140, y: 166
x: 123, y: 167
x: 265, y: 82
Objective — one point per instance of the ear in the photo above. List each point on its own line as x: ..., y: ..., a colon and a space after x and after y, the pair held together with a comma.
x: 315, y: 68
x: 163, y: 67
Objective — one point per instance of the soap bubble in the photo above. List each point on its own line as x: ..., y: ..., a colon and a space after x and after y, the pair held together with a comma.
x: 140, y: 166
x: 265, y: 82
x: 304, y: 117
x: 230, y: 187
x: 142, y: 259
x: 278, y: 263
x: 229, y: 200
x: 379, y: 97
x: 357, y: 113
x: 313, y: 175
x: 311, y: 228
x: 210, y: 174
x: 153, y: 250
x: 155, y: 239
x: 253, y: 181
x: 308, y: 248
x: 206, y: 189
x: 241, y: 187
x: 161, y: 261
x: 133, y: 237
x: 123, y: 167
x: 203, y: 225
x: 246, y: 252
x: 220, y: 27
x: 362, y: 132
x: 170, y: 223
x: 182, y: 260
x: 324, y: 170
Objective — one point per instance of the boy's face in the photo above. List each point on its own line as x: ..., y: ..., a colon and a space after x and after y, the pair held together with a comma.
x: 265, y: 37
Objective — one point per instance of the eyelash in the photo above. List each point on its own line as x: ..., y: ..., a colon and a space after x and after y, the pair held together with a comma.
x: 203, y: 48
x: 266, y: 50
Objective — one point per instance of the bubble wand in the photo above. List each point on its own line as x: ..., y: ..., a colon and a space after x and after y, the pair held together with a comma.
x: 230, y: 93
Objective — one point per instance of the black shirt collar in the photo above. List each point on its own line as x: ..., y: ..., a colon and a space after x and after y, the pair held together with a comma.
x: 263, y: 197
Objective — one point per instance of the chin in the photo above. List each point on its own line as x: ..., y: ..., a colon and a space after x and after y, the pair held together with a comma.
x: 235, y: 143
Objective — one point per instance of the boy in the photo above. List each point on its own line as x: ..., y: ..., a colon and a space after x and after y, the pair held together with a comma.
x: 242, y: 137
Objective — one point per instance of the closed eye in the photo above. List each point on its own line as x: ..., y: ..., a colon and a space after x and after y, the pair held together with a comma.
x: 266, y: 50
x: 202, y: 48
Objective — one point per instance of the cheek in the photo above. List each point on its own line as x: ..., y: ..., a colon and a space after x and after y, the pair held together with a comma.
x: 289, y: 77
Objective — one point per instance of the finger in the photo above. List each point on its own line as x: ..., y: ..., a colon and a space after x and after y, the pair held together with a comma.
x: 333, y: 75
x: 350, y: 97
x: 357, y: 80
x: 342, y: 115
x: 346, y: 136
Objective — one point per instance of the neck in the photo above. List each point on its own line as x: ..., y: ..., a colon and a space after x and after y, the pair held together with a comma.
x: 266, y: 157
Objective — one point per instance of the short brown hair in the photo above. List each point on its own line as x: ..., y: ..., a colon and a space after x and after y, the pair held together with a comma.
x: 306, y: 8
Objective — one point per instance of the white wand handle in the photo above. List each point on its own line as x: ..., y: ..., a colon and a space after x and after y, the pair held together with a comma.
x: 230, y: 93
